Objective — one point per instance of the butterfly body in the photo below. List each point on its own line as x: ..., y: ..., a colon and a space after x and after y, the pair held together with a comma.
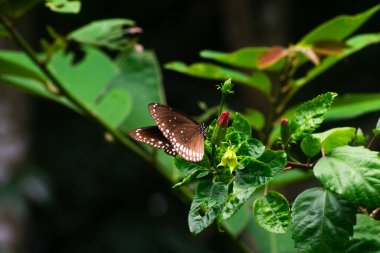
x: 175, y: 133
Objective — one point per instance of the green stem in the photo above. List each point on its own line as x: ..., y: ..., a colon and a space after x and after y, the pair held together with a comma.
x: 222, y: 104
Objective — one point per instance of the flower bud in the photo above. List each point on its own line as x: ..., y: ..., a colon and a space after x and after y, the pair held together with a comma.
x: 220, y: 129
x: 285, y: 131
x: 226, y: 87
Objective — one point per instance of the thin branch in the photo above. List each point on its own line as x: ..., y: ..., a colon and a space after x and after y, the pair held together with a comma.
x: 372, y: 139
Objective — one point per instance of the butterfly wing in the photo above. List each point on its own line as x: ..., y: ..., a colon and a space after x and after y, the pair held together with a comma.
x: 152, y: 136
x: 183, y: 133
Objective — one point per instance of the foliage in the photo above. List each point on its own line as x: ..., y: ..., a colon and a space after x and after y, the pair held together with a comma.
x: 237, y: 168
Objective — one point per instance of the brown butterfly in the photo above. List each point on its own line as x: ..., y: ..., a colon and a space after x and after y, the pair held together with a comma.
x: 175, y: 133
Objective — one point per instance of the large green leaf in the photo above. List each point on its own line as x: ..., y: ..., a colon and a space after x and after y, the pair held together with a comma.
x: 334, y: 138
x: 88, y: 80
x: 353, y: 105
x: 141, y: 76
x: 276, y: 159
x: 272, y: 212
x: 353, y: 172
x: 19, y: 71
x: 310, y: 115
x: 366, y: 235
x: 354, y: 44
x: 108, y: 33
x: 339, y: 27
x: 215, y: 72
x: 322, y: 221
x: 245, y: 57
x: 210, y: 195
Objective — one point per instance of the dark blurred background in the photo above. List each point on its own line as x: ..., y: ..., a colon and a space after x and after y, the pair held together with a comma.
x: 74, y: 192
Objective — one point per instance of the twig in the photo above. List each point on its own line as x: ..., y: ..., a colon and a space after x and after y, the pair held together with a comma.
x: 370, y: 143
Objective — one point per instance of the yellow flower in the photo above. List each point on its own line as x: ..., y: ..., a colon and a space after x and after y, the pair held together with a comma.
x: 229, y: 159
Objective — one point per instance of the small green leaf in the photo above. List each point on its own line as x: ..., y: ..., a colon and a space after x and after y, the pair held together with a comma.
x: 211, y: 196
x: 335, y: 137
x: 276, y: 159
x: 310, y: 115
x: 272, y: 212
x: 189, y: 167
x: 215, y: 72
x: 255, y: 118
x: 322, y: 221
x: 376, y: 131
x: 64, y: 6
x: 191, y: 177
x: 311, y: 145
x: 241, y: 125
x: 109, y: 33
x: 245, y: 57
x: 353, y: 172
x: 359, y: 138
x: 353, y: 105
x: 339, y: 27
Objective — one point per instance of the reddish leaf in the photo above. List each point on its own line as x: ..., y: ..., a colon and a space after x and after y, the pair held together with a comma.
x: 273, y: 55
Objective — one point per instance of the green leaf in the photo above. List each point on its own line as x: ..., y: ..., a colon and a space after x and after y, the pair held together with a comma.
x: 376, y: 131
x: 191, y: 171
x: 359, y: 138
x: 366, y: 228
x: 253, y: 173
x: 275, y: 159
x: 339, y: 27
x: 16, y: 8
x: 111, y: 105
x: 19, y: 71
x: 215, y: 72
x: 354, y: 44
x: 109, y: 33
x: 335, y: 137
x: 255, y: 118
x: 311, y: 145
x: 245, y: 57
x: 353, y: 172
x: 272, y: 212
x: 241, y: 125
x: 251, y: 147
x: 64, y: 6
x: 140, y: 75
x: 211, y: 196
x: 366, y: 235
x: 353, y: 105
x: 310, y: 115
x: 322, y: 221
x: 10, y: 65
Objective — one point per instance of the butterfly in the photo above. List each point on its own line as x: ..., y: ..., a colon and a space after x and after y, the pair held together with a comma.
x: 175, y: 133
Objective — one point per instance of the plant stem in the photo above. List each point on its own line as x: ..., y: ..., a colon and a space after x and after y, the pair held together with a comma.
x: 300, y: 164
x: 372, y: 139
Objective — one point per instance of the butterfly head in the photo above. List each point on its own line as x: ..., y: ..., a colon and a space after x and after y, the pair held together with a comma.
x: 201, y: 128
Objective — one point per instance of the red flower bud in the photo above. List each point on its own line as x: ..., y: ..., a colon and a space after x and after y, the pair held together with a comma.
x: 223, y: 119
x: 284, y: 121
